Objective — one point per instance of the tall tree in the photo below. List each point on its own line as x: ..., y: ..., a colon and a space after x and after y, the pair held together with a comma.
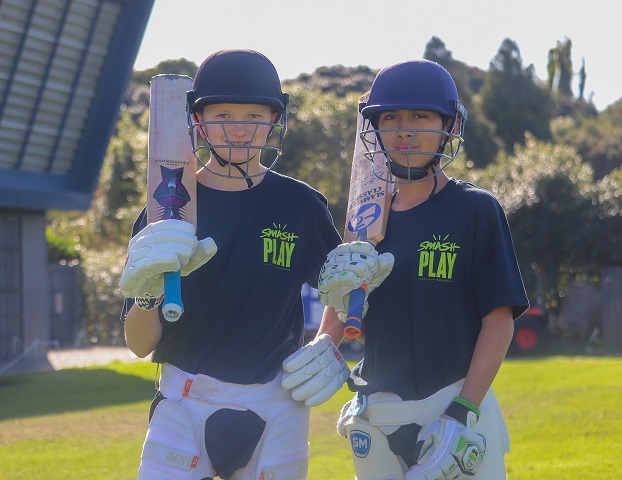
x: 551, y: 68
x: 513, y: 99
x: 582, y: 79
x: 564, y: 63
x: 480, y: 146
x: 436, y: 51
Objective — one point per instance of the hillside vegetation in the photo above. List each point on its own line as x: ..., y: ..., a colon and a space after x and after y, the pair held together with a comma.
x: 549, y: 156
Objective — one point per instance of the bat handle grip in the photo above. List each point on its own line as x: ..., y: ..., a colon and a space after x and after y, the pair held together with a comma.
x: 355, y: 312
x: 172, y: 308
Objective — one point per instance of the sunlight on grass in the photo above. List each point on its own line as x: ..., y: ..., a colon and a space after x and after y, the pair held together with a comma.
x: 330, y: 453
x: 562, y: 413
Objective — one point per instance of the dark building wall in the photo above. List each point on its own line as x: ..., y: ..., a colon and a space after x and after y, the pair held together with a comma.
x: 24, y: 282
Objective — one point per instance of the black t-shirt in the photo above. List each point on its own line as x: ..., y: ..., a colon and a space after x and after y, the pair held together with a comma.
x: 243, y: 311
x: 454, y: 264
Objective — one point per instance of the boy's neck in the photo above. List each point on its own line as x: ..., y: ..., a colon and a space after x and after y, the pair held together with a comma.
x: 409, y: 195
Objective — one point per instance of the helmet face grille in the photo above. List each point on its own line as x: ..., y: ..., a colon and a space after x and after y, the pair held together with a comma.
x: 270, y: 152
x: 237, y: 76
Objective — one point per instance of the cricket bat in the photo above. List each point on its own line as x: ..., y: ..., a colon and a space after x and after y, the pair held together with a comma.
x: 171, y: 169
x: 369, y: 202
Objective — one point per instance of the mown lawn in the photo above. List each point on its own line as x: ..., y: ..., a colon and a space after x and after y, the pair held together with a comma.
x: 564, y: 415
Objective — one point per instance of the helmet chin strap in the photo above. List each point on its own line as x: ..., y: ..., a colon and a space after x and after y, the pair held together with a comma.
x: 416, y: 173
x: 222, y: 162
x: 412, y: 173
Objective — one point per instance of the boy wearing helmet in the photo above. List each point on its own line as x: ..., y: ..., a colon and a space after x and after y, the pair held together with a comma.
x: 438, y: 328
x: 220, y: 410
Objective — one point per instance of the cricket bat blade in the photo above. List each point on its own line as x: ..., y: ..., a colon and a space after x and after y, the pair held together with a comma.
x: 367, y: 214
x: 171, y: 180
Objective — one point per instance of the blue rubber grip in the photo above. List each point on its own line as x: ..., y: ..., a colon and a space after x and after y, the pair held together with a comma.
x: 355, y: 312
x: 172, y: 308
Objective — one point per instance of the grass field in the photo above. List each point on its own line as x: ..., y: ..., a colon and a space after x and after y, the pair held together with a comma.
x: 564, y: 415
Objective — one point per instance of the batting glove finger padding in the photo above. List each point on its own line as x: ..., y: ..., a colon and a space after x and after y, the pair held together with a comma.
x: 449, y: 449
x: 202, y: 254
x: 335, y: 290
x: 385, y: 265
x: 315, y: 372
x: 164, y: 246
x: 362, y: 253
x: 357, y: 252
x: 347, y: 267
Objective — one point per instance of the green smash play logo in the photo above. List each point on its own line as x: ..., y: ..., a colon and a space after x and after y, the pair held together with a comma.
x: 437, y: 258
x: 278, y: 246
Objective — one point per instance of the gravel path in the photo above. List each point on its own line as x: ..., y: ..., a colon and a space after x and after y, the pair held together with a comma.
x: 85, y: 357
x: 72, y: 358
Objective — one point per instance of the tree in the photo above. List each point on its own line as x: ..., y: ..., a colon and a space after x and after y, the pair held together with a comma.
x: 564, y: 67
x: 546, y: 190
x: 513, y: 100
x: 559, y: 81
x: 436, y: 51
x: 609, y: 194
x: 481, y: 145
x: 554, y: 207
x: 337, y: 80
x: 320, y: 143
x: 582, y: 79
x: 595, y: 136
x: 178, y: 67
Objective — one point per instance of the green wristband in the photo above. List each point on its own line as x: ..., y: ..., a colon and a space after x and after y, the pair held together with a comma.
x: 466, y: 403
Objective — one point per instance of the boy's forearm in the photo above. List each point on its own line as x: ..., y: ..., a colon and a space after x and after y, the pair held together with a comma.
x: 143, y: 330
x: 490, y: 350
x: 331, y: 325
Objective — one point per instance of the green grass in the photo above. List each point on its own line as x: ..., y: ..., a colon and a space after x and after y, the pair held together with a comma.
x: 564, y: 415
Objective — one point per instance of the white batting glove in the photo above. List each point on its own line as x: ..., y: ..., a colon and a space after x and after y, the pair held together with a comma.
x: 315, y: 372
x: 204, y: 252
x: 347, y: 267
x: 449, y: 449
x: 160, y: 247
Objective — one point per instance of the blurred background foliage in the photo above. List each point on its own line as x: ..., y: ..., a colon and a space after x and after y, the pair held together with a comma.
x: 553, y: 161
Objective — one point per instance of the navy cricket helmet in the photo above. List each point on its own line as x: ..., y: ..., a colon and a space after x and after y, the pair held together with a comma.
x: 414, y: 85
x: 237, y: 76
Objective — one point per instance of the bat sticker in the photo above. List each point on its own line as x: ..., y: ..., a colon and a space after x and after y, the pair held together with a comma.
x: 171, y: 194
x: 364, y: 217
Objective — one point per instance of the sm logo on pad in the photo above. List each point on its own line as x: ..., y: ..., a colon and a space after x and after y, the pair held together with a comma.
x: 361, y: 443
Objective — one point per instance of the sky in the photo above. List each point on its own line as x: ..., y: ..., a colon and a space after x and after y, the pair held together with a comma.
x: 301, y: 35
